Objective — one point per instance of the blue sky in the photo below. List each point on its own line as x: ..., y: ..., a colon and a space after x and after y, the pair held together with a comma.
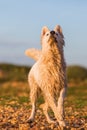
x: 21, y: 22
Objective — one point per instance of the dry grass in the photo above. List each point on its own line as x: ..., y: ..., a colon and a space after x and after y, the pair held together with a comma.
x: 15, y: 108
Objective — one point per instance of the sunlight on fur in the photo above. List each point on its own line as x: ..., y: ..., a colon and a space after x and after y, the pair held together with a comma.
x: 48, y: 74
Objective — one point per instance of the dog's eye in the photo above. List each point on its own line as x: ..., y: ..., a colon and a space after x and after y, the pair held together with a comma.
x: 47, y: 34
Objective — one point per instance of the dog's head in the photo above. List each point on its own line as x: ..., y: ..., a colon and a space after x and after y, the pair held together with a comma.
x: 54, y: 36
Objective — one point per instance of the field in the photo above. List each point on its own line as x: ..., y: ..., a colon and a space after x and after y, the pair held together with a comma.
x: 15, y: 106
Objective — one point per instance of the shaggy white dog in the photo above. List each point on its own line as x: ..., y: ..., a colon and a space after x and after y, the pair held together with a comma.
x: 48, y: 74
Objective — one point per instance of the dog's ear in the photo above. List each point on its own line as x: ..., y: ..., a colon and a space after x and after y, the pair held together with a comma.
x: 44, y: 30
x: 59, y: 29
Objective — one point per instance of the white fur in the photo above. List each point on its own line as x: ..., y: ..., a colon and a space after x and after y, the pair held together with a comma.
x: 48, y: 74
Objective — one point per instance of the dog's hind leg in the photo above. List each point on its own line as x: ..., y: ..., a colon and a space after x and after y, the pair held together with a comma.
x: 51, y: 103
x: 54, y: 108
x: 33, y: 98
x: 45, y: 110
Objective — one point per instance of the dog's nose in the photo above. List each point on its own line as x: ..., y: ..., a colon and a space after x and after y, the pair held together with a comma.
x: 52, y: 32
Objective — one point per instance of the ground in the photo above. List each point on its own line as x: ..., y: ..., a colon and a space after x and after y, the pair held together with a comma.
x: 15, y: 108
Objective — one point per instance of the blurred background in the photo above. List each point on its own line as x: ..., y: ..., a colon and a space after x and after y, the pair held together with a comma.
x: 21, y: 22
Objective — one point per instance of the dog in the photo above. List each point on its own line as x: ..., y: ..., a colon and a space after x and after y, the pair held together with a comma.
x: 48, y: 74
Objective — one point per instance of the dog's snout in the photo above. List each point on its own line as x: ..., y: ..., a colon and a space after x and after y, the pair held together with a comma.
x: 52, y: 32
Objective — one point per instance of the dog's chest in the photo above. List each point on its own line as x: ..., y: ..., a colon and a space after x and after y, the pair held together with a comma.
x: 49, y: 71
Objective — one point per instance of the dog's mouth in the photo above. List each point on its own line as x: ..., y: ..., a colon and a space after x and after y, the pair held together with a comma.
x: 52, y: 39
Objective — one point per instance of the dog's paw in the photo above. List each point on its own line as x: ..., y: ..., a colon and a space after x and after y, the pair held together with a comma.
x: 62, y: 124
x: 30, y: 120
x: 50, y: 121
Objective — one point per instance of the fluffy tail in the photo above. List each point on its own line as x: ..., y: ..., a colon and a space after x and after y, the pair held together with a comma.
x: 33, y: 53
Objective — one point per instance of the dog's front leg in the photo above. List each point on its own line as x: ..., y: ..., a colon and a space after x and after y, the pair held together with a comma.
x: 61, y: 103
x: 33, y: 53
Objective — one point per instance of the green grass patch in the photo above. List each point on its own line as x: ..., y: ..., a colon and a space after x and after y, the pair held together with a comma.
x: 77, y: 96
x: 23, y: 99
x: 11, y: 72
x: 13, y: 96
x: 40, y: 100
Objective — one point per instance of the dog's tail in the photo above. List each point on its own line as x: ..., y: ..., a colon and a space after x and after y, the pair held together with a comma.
x: 33, y: 53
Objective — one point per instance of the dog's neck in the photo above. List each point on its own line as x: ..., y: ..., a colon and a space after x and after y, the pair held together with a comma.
x: 51, y: 51
x: 52, y: 45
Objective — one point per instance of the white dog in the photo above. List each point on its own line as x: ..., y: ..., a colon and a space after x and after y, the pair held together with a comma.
x: 48, y: 74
